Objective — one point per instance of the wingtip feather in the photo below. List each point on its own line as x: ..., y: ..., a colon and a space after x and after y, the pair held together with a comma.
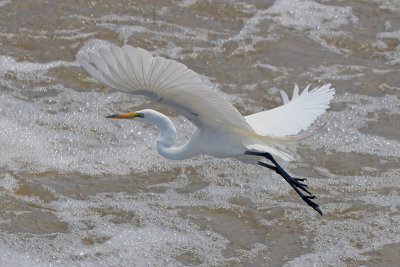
x: 284, y: 97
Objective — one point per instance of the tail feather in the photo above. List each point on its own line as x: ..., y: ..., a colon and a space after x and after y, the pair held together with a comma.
x: 282, y: 124
x: 275, y: 152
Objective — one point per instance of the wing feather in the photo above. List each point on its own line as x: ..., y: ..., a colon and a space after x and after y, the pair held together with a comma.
x: 136, y: 71
x: 295, y: 115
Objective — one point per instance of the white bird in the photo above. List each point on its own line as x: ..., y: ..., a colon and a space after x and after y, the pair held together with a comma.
x: 221, y: 130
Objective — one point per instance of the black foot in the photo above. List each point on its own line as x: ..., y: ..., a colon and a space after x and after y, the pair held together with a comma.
x: 295, y: 183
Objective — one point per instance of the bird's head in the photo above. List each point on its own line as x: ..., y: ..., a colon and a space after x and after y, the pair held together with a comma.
x: 155, y: 117
x: 148, y: 115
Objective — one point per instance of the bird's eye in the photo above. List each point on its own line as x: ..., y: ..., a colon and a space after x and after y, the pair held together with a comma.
x: 140, y: 115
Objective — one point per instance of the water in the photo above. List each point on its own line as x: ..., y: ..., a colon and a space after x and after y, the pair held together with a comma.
x: 76, y: 189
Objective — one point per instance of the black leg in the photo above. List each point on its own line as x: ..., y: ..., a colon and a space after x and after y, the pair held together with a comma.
x: 295, y: 183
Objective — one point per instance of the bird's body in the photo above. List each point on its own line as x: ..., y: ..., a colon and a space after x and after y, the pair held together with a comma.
x: 221, y: 130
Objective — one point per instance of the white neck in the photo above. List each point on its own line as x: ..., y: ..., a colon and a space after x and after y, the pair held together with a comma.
x: 168, y: 136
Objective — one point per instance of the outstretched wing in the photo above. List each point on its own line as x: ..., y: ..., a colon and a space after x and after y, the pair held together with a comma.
x: 136, y: 71
x: 295, y: 114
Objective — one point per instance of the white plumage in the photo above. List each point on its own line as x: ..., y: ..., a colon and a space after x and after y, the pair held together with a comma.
x: 221, y: 130
x: 136, y: 71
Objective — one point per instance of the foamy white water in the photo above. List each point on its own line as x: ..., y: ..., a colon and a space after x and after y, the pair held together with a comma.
x: 77, y: 189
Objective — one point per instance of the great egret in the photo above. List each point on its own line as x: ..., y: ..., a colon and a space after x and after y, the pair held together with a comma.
x: 221, y: 130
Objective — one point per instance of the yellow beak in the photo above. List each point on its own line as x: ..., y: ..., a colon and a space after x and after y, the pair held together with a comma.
x: 129, y: 115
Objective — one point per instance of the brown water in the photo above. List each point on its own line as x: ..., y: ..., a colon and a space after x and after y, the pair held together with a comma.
x: 76, y: 189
